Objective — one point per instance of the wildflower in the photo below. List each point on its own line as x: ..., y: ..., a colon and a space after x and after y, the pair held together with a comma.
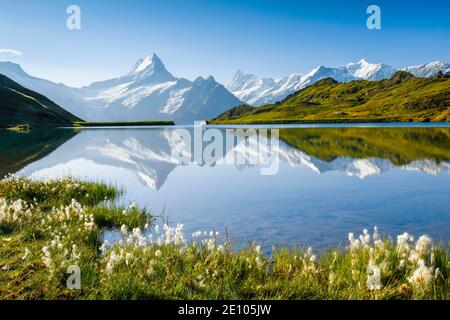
x: 75, y: 254
x: 424, y: 245
x: 128, y: 258
x: 373, y: 277
x: 375, y: 233
x: 422, y: 276
x: 26, y: 254
x: 404, y: 244
x: 158, y: 253
x: 196, y: 235
x: 124, y: 230
x: 104, y: 247
x: 47, y: 257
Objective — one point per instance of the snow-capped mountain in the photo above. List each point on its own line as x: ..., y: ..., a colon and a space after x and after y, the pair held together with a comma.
x: 259, y: 91
x: 430, y: 69
x: 147, y: 92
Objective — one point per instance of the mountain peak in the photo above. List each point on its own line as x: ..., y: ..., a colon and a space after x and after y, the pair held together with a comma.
x: 200, y: 79
x: 152, y: 62
x: 8, y: 67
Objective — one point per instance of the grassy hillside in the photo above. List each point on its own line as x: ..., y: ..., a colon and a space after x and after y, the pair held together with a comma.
x: 19, y: 105
x: 402, y: 98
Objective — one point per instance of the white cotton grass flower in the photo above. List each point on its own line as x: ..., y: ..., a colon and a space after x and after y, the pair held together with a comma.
x: 129, y: 259
x: 355, y: 244
x: 46, y: 259
x: 26, y: 254
x: 422, y: 276
x: 196, y: 235
x: 424, y: 245
x: 124, y: 230
x: 404, y: 244
x: 373, y: 277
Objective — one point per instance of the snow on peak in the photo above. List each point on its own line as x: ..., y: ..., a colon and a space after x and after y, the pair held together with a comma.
x: 241, y: 81
x: 363, y: 61
x: 150, y: 62
x: 257, y: 91
x: 430, y: 69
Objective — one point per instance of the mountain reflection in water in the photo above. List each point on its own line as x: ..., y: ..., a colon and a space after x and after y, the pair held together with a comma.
x: 331, y: 180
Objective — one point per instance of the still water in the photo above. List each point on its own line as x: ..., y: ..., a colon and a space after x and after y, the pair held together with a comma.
x: 330, y: 181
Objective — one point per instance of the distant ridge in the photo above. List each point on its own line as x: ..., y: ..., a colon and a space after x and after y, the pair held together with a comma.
x: 401, y: 98
x: 260, y: 91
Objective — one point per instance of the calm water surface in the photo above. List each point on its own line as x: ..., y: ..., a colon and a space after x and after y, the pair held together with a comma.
x: 331, y: 180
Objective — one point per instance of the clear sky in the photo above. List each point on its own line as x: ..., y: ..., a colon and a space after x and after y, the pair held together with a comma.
x: 203, y: 37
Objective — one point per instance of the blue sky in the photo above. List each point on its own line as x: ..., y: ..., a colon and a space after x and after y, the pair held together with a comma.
x: 199, y: 37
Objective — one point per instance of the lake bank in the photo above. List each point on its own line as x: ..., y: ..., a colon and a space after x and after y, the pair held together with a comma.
x: 165, y: 264
x: 124, y: 124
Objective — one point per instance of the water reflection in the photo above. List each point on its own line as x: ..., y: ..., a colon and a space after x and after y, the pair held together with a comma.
x: 331, y: 180
x: 18, y: 149
x: 148, y: 154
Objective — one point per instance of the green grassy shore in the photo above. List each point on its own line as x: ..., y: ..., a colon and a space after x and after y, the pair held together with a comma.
x: 47, y: 226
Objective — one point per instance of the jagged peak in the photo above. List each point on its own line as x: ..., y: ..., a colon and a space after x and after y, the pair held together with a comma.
x: 242, y: 75
x: 151, y: 61
x: 209, y: 79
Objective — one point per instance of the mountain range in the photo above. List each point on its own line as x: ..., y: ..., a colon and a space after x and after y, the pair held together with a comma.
x: 150, y: 92
x: 257, y: 91
x: 147, y: 92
